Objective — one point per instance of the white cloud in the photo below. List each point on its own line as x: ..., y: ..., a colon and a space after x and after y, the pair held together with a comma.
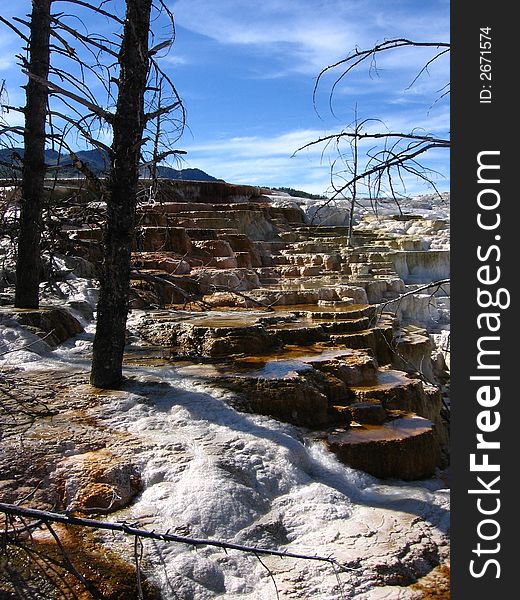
x: 305, y: 35
x: 174, y: 60
x: 261, y: 160
x: 6, y: 61
x: 257, y: 146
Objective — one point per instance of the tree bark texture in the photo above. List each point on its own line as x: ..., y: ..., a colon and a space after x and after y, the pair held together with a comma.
x: 128, y: 127
x: 33, y: 173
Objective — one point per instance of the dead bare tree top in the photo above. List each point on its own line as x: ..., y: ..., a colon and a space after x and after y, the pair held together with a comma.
x: 357, y: 57
x: 395, y: 156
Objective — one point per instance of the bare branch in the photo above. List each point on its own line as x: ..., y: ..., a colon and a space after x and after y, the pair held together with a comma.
x: 15, y: 129
x: 159, y: 47
x: 15, y: 29
x: 100, y: 146
x: 97, y: 9
x: 78, y: 84
x: 26, y: 346
x: 398, y: 160
x: 425, y: 67
x: 434, y: 284
x: 70, y: 566
x: 441, y: 143
x: 67, y: 519
x: 357, y: 56
x: 162, y: 111
x: 85, y: 39
x: 270, y: 573
x: 161, y: 156
x: 138, y: 556
x: 109, y: 117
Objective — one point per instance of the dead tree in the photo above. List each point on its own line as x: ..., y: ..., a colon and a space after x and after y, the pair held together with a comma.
x: 128, y: 127
x: 33, y: 171
x: 38, y: 133
x: 146, y: 100
x: 390, y: 154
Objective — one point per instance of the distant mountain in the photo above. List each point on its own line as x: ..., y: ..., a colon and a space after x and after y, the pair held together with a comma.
x: 96, y: 161
x: 186, y: 174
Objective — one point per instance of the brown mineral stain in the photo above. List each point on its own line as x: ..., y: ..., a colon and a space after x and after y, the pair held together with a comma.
x: 101, y: 569
x: 436, y: 585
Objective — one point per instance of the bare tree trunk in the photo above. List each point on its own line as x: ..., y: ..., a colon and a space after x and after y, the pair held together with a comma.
x: 354, y: 188
x: 129, y: 122
x: 33, y: 174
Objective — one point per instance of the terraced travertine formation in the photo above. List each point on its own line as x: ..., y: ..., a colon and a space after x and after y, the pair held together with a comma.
x: 299, y: 321
x: 264, y: 310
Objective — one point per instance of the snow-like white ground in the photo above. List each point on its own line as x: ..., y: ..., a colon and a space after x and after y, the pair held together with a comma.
x: 336, y: 212
x: 210, y: 471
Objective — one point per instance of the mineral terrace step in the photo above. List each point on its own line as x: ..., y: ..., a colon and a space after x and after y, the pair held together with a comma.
x: 360, y: 339
x: 351, y: 311
x: 396, y: 391
x: 280, y: 260
x: 210, y: 222
x: 298, y: 333
x: 381, y: 272
x: 324, y: 229
x: 372, y: 248
x: 346, y: 326
x: 403, y: 448
x: 385, y: 265
x: 198, y: 234
x: 310, y: 245
x: 339, y: 415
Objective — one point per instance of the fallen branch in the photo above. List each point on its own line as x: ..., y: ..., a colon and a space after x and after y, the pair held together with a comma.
x: 157, y: 279
x: 435, y: 284
x: 25, y: 346
x: 51, y: 517
x: 222, y: 288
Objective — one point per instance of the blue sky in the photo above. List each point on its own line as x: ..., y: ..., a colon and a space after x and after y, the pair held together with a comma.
x: 246, y: 72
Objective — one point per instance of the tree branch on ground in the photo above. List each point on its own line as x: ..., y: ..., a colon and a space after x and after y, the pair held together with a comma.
x: 43, y: 516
